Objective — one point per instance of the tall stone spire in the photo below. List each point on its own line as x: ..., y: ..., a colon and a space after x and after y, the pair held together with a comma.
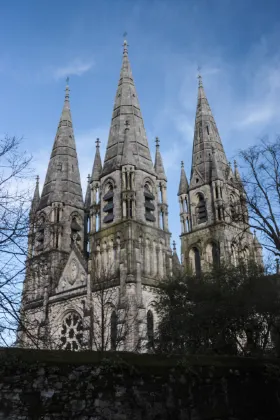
x: 159, y: 168
x: 206, y: 138
x: 62, y: 183
x: 127, y: 108
x: 97, y: 164
x: 184, y: 185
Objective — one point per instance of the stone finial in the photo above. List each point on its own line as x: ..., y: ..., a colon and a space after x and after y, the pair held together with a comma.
x: 182, y: 163
x: 67, y: 90
x: 157, y: 142
x: 174, y: 246
x: 125, y: 44
x: 97, y: 142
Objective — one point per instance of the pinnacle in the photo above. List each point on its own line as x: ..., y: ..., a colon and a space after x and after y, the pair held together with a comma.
x: 97, y: 165
x: 159, y: 168
x: 184, y: 185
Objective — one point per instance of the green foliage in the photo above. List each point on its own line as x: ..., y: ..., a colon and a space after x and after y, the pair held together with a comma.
x: 229, y: 310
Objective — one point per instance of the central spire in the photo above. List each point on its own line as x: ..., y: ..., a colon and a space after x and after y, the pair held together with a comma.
x: 127, y: 109
x: 206, y: 139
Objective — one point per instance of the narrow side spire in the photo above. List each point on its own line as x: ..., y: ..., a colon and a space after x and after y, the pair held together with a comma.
x: 184, y: 185
x: 63, y: 183
x: 127, y: 108
x: 36, y: 197
x: 97, y: 164
x: 159, y: 168
x: 206, y: 138
x: 176, y: 266
x: 87, y: 198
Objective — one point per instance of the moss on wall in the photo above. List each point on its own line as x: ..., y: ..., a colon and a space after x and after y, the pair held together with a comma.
x: 90, y: 385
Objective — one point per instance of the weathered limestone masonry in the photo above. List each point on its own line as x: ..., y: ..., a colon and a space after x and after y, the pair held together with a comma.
x: 213, y: 212
x: 54, y: 385
x: 93, y: 266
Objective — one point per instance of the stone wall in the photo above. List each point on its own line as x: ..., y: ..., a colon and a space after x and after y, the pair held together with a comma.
x: 90, y: 386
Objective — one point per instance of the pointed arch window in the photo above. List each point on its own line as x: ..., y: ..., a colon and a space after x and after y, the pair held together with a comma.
x: 213, y: 254
x: 109, y: 207
x: 150, y: 329
x: 201, y: 209
x: 40, y: 234
x: 114, y: 330
x: 195, y: 261
x: 149, y: 205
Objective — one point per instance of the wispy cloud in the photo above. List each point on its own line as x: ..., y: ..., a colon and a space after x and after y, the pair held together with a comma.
x: 76, y: 68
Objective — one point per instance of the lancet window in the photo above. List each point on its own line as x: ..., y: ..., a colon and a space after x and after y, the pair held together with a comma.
x: 109, y: 206
x: 150, y: 329
x: 114, y: 330
x: 195, y: 262
x: 40, y: 234
x: 149, y: 205
x: 201, y: 211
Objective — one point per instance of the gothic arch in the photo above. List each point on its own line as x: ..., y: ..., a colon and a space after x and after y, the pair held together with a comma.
x: 114, y: 330
x: 194, y: 257
x: 108, y: 181
x: 149, y: 181
x: 200, y: 208
x: 212, y: 253
x: 234, y: 254
x: 150, y: 330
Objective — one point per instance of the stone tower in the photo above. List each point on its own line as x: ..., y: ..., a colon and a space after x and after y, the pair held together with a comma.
x: 56, y: 228
x: 94, y: 265
x: 212, y: 210
x: 129, y: 241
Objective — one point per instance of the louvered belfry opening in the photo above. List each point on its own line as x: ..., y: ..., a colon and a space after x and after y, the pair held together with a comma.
x: 201, y: 210
x: 149, y: 206
x: 109, y: 207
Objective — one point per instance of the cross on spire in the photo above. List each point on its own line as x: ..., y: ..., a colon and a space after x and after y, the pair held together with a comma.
x: 157, y: 142
x: 182, y: 163
x: 174, y: 246
x: 125, y: 44
x: 97, y: 142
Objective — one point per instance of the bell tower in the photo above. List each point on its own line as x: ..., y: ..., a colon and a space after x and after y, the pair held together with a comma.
x: 212, y: 210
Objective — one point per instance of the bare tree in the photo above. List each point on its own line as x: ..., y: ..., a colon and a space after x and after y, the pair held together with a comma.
x: 261, y: 192
x: 114, y: 319
x: 14, y: 217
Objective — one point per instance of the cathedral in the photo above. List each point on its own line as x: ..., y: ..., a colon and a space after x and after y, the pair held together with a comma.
x: 94, y: 264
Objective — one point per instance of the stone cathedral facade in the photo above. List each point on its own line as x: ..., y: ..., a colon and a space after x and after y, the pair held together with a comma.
x: 94, y: 264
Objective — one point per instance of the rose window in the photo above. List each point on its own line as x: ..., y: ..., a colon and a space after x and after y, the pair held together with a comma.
x: 72, y: 332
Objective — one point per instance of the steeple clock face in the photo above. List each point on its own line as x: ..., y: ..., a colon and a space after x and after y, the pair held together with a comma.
x: 74, y: 269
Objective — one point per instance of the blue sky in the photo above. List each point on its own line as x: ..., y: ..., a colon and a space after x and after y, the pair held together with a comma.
x: 235, y: 42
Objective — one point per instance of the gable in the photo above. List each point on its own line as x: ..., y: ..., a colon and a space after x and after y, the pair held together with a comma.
x: 74, y: 274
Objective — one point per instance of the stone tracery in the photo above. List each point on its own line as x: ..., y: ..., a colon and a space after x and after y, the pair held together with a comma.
x: 71, y: 335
